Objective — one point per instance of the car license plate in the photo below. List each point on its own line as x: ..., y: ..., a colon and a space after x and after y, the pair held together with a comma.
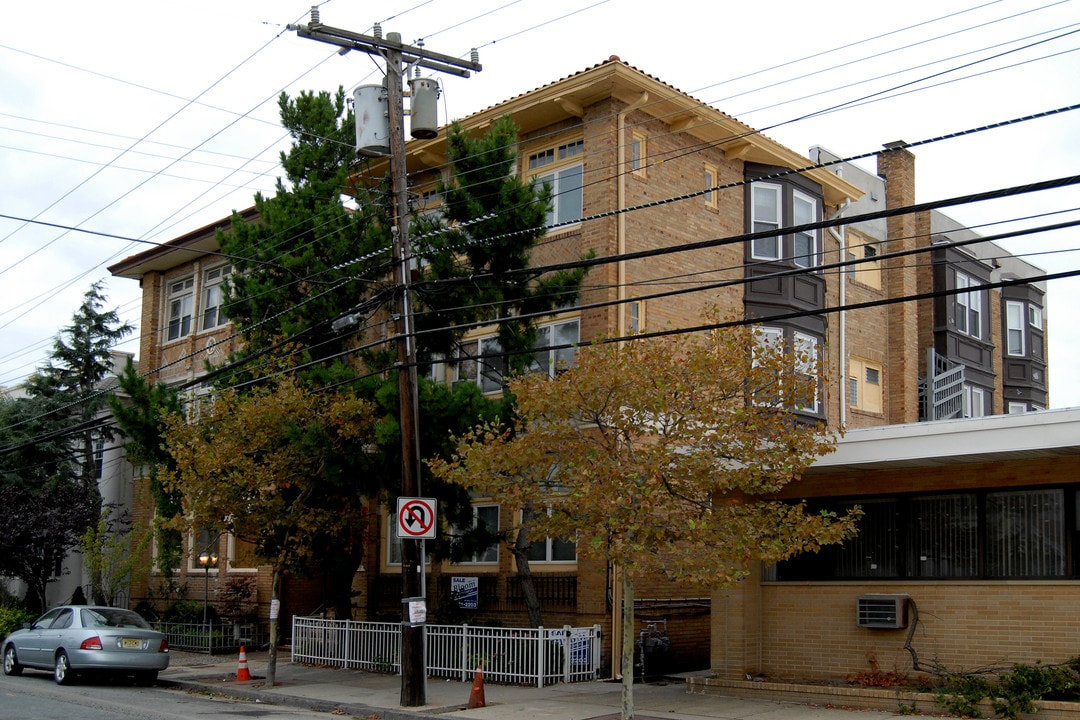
x: 131, y: 643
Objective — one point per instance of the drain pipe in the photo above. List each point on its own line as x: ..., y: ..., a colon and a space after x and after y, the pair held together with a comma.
x: 841, y: 237
x: 620, y: 222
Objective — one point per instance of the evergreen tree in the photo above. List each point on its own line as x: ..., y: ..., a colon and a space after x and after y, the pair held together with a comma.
x: 140, y: 411
x: 72, y: 380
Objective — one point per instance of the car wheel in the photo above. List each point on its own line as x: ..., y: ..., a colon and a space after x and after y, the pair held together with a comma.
x: 146, y: 678
x: 62, y: 672
x: 11, y: 661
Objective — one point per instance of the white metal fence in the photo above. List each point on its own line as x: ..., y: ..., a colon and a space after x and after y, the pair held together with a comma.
x: 513, y: 656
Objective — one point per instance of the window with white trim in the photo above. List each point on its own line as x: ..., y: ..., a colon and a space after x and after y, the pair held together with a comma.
x: 181, y: 304
x: 486, y: 516
x: 214, y: 296
x: 806, y: 361
x: 637, y: 316
x: 968, y: 306
x: 201, y: 542
x: 774, y: 206
x: 566, y: 182
x: 765, y: 217
x: 552, y: 550
x: 1017, y: 408
x: 804, y: 211
x: 1035, y: 316
x: 1015, y: 327
x: 974, y: 401
x: 637, y: 154
x: 798, y: 388
x: 548, y: 356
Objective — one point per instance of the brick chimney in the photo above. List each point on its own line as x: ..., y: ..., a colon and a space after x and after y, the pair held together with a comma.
x: 904, y: 232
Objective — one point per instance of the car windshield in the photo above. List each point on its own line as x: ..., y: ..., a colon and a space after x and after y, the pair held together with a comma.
x: 112, y: 617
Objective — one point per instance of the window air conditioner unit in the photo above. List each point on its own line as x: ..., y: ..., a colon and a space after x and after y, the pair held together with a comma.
x: 882, y: 611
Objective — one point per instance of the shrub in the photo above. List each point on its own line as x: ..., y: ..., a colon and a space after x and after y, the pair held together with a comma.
x: 12, y: 617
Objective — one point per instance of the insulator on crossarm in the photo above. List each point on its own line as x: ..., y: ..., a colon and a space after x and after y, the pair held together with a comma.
x: 475, y: 56
x: 315, y: 15
x: 378, y: 31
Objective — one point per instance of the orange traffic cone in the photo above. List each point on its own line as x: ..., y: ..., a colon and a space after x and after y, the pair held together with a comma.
x: 476, y: 697
x: 242, y: 673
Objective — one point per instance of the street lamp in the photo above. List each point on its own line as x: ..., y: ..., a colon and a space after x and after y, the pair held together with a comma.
x: 207, y: 560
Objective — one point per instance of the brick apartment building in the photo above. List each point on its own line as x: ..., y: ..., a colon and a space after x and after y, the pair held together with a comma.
x: 637, y: 165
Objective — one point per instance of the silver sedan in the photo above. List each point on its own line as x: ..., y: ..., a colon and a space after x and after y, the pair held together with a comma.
x: 76, y: 638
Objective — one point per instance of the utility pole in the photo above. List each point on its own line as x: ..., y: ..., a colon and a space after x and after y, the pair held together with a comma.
x: 398, y: 56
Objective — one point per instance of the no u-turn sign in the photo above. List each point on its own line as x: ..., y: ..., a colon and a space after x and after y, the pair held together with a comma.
x: 416, y: 518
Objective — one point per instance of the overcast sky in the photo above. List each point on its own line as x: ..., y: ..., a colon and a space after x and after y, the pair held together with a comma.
x: 141, y: 121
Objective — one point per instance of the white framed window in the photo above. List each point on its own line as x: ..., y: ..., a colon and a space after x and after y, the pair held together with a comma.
x: 1035, y: 316
x: 637, y: 316
x: 213, y: 295
x: 765, y: 217
x: 1017, y: 408
x: 567, y: 187
x: 204, y: 542
x: 974, y: 402
x: 485, y: 516
x: 637, y: 154
x: 181, y: 303
x: 548, y: 356
x: 767, y: 340
x: 803, y: 362
x: 552, y: 550
x: 1014, y: 327
x: 968, y: 306
x: 806, y: 362
x: 804, y: 210
x: 864, y: 385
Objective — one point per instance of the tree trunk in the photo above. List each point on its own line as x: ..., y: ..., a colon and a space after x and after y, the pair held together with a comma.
x: 520, y: 551
x: 275, y: 605
x: 628, y: 647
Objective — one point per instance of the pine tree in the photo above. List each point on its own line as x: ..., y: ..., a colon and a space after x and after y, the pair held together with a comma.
x: 71, y: 382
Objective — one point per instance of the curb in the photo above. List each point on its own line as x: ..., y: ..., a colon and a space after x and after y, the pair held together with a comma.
x: 255, y: 695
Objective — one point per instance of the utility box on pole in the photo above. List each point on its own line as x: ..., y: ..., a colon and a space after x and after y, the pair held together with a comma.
x: 372, y: 115
x: 424, y: 108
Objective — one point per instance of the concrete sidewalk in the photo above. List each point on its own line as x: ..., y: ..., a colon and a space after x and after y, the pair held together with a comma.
x: 370, y: 695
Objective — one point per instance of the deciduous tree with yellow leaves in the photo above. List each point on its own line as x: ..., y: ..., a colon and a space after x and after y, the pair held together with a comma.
x: 662, y: 455
x: 280, y: 467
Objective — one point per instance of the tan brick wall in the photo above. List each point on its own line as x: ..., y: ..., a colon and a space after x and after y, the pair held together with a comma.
x: 808, y: 630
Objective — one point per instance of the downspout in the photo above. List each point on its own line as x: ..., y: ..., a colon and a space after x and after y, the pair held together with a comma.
x: 616, y: 577
x: 841, y: 237
x: 620, y: 222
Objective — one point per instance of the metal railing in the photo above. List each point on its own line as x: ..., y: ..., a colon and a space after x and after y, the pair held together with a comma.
x: 212, y: 637
x: 513, y: 656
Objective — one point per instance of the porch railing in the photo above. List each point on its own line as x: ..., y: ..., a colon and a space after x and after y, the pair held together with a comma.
x: 513, y: 656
